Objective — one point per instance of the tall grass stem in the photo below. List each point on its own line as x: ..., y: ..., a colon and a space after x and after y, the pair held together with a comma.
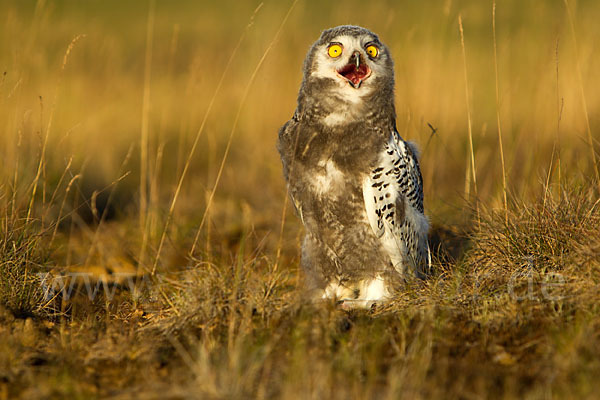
x: 500, y: 146
x: 469, y: 127
x: 236, y: 120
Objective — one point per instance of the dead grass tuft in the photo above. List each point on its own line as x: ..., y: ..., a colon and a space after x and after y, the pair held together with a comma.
x: 21, y: 259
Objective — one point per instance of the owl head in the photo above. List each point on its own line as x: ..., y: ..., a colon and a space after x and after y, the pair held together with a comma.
x: 349, y: 62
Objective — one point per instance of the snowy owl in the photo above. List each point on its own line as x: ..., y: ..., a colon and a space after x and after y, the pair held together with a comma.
x: 355, y: 183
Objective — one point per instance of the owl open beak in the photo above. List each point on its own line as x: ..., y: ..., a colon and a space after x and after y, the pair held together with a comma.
x: 356, y: 71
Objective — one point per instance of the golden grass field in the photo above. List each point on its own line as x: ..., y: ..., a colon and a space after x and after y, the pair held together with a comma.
x: 139, y: 171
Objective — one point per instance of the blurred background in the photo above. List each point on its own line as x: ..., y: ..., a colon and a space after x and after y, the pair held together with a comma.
x: 109, y: 94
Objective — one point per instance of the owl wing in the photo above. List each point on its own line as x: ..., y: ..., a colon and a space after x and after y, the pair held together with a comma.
x: 287, y: 143
x: 393, y: 196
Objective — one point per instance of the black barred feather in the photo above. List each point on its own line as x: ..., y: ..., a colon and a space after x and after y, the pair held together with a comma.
x: 393, y: 196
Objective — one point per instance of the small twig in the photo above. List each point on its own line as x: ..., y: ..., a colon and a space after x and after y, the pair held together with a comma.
x: 434, y: 131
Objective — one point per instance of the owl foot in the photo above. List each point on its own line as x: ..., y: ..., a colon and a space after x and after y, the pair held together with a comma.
x: 363, y: 294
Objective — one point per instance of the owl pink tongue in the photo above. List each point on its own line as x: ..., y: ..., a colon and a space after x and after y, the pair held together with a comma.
x: 353, y: 74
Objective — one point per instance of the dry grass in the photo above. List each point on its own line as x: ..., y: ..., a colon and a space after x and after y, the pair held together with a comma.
x: 139, y: 169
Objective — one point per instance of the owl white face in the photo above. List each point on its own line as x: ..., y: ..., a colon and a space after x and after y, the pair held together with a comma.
x: 352, y: 62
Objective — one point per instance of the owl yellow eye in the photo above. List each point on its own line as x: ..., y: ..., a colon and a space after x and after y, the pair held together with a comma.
x: 372, y: 51
x: 335, y: 50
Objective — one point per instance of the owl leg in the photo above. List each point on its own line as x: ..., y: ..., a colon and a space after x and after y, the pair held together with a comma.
x: 317, y: 265
x: 323, y: 279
